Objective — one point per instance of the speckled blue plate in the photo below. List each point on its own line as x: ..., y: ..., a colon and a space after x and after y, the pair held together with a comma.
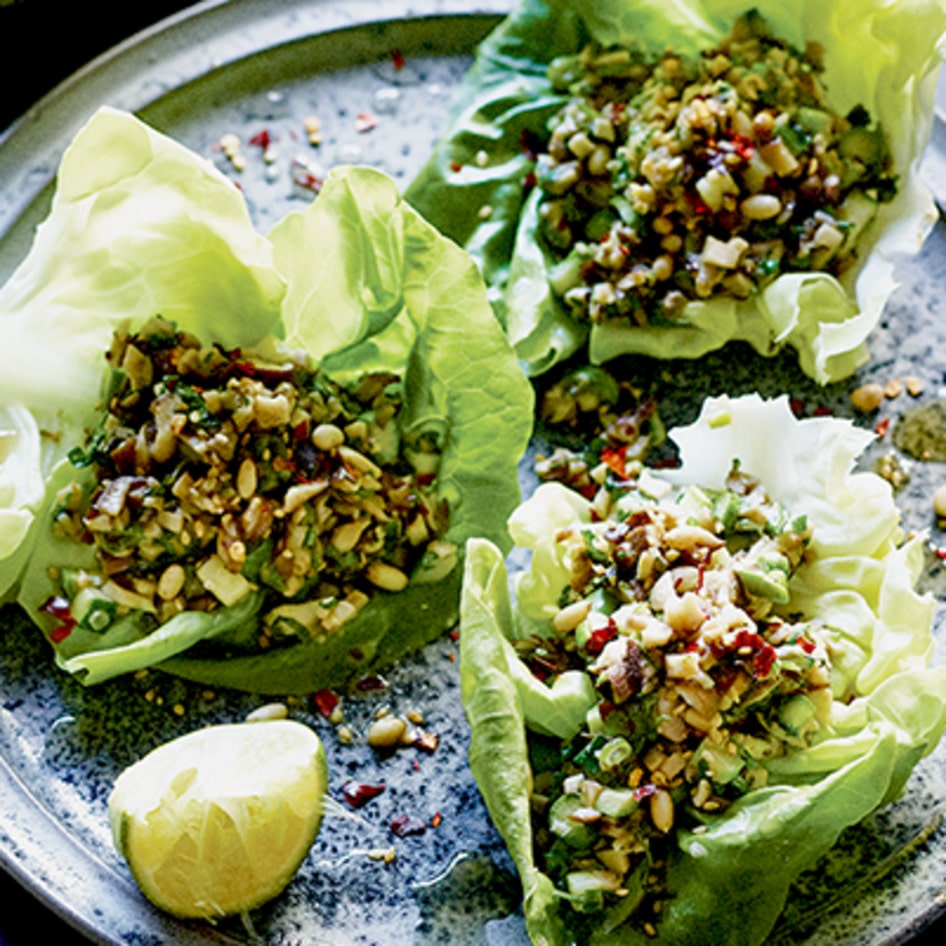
x: 378, y: 75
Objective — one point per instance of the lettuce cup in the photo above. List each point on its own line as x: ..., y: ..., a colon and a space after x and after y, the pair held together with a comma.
x: 664, y: 178
x: 259, y: 457
x: 705, y: 676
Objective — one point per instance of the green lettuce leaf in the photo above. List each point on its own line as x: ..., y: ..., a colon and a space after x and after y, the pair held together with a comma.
x: 141, y: 226
x: 728, y: 882
x: 884, y: 56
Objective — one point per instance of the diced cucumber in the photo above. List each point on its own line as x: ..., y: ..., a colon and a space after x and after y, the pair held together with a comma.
x: 574, y: 833
x: 566, y: 274
x: 617, y: 802
x: 797, y: 714
x: 863, y: 144
x: 614, y: 753
x: 721, y: 766
x: 598, y: 226
x: 588, y: 887
x: 726, y: 508
x: 92, y: 609
x: 439, y: 560
x: 767, y: 577
x: 814, y: 120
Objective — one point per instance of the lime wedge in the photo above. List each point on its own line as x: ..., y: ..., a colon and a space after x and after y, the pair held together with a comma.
x: 218, y: 821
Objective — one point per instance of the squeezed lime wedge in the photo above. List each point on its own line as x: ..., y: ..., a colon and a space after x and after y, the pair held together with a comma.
x: 218, y: 821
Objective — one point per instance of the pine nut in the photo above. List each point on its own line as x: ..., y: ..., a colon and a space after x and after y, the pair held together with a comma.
x: 327, y: 437
x: 171, y: 582
x: 569, y: 617
x: 386, y: 577
x: 386, y: 732
x: 661, y: 810
x: 267, y: 712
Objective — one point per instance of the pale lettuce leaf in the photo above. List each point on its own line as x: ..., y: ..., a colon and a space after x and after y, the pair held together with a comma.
x: 141, y: 226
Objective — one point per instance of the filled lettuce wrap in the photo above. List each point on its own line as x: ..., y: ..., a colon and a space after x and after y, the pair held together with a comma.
x: 663, y: 178
x: 259, y: 457
x: 705, y: 676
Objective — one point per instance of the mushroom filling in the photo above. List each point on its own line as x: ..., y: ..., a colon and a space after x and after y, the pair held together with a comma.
x: 218, y: 473
x: 673, y: 179
x: 678, y: 611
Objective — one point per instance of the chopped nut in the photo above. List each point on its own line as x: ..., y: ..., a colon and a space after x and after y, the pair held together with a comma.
x: 868, y: 397
x: 939, y: 502
x: 893, y: 388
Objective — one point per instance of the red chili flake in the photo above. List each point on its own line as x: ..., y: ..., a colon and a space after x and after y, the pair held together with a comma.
x: 454, y: 635
x: 764, y: 661
x: 301, y: 431
x: 806, y: 645
x: 366, y: 121
x: 325, y: 702
x: 425, y: 479
x: 940, y: 553
x: 371, y: 684
x: 822, y: 410
x: 798, y: 406
x: 397, y: 59
x: 427, y: 742
x: 881, y: 427
x: 261, y: 139
x: 405, y: 826
x: 601, y: 636
x: 58, y: 608
x: 615, y: 459
x: 437, y: 820
x: 309, y: 182
x: 743, y: 147
x: 763, y: 652
x: 358, y: 794
x: 245, y: 368
x: 456, y: 167
x: 58, y: 634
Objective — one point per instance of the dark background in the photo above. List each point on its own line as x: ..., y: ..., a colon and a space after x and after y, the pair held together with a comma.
x: 41, y: 44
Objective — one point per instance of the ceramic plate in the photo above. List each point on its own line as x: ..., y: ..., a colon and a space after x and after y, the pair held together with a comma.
x: 378, y: 76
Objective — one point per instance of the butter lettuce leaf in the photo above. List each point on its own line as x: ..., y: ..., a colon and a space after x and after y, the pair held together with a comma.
x: 729, y: 879
x: 475, y: 187
x: 141, y: 226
